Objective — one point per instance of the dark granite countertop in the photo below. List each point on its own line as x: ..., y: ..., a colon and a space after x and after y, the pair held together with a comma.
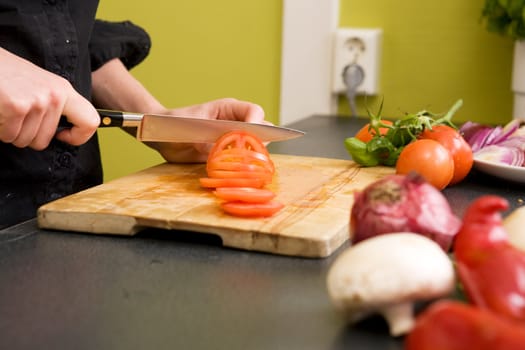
x: 156, y: 290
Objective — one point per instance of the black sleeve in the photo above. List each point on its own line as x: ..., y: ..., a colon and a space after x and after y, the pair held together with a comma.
x: 123, y: 40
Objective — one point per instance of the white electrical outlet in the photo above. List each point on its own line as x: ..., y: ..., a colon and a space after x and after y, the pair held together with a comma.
x: 357, y: 48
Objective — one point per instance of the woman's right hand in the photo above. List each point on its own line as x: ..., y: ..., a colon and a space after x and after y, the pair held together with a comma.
x: 32, y: 100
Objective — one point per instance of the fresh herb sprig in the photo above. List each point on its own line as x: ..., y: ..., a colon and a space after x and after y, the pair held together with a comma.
x: 384, y: 149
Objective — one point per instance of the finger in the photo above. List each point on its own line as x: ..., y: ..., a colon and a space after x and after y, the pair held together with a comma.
x: 254, y: 113
x: 84, y: 117
x: 30, y: 128
x: 48, y: 128
x: 241, y: 110
x: 9, y: 129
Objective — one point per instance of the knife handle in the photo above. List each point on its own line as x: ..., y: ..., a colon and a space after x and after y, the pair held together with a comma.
x: 110, y: 118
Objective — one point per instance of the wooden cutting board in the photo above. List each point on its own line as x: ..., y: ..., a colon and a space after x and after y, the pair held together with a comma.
x: 317, y: 193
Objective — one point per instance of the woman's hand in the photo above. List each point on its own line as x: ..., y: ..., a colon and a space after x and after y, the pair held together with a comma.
x: 32, y: 100
x: 223, y: 109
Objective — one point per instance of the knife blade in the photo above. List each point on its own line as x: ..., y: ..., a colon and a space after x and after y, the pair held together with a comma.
x: 167, y: 128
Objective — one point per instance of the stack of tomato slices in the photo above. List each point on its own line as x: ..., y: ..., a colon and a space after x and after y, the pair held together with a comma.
x: 239, y: 168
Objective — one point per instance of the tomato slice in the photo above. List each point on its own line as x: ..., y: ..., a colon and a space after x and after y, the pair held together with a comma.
x: 245, y: 194
x: 229, y: 174
x: 238, y: 139
x: 239, y: 156
x: 252, y: 210
x: 209, y: 182
x: 234, y: 166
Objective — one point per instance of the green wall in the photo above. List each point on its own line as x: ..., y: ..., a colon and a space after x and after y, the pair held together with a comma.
x: 434, y: 52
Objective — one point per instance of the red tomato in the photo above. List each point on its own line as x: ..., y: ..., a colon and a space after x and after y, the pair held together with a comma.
x: 365, y: 134
x: 244, y: 194
x: 456, y: 145
x: 209, y: 182
x: 238, y: 166
x: 233, y: 166
x: 428, y: 158
x: 252, y: 210
x: 238, y: 139
x: 236, y: 156
x: 232, y: 174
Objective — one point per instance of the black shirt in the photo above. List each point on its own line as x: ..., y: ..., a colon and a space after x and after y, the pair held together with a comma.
x: 63, y: 37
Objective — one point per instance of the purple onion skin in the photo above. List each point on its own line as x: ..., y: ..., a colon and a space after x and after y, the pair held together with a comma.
x: 403, y: 203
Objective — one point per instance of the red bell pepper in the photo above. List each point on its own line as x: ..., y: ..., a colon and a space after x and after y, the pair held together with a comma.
x: 452, y: 325
x: 490, y: 269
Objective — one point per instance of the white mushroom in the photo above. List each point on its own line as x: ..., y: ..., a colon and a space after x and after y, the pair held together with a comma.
x: 514, y: 224
x: 386, y: 275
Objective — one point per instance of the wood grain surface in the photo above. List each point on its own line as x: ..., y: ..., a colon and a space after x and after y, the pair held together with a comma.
x: 317, y: 193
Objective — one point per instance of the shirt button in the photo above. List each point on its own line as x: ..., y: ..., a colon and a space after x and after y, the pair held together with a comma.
x: 65, y: 160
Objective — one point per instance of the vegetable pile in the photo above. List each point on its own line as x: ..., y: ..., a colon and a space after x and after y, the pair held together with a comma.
x: 239, y: 167
x: 395, y: 263
x: 500, y: 144
x: 491, y: 272
x: 424, y: 142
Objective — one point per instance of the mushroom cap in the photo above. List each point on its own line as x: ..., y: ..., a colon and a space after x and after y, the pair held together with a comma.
x: 389, y: 268
x: 513, y: 224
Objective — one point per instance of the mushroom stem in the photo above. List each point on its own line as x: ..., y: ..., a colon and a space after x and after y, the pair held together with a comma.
x: 400, y: 317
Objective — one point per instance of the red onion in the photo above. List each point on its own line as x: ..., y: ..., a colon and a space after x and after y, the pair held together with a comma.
x: 498, y: 144
x: 507, y: 131
x: 501, y: 154
x: 479, y: 136
x: 479, y: 139
x: 403, y: 203
x: 470, y: 128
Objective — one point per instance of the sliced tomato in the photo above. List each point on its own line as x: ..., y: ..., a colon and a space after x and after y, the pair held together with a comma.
x: 239, y: 139
x: 245, y: 194
x: 266, y: 177
x: 241, y: 156
x: 209, y: 182
x: 252, y: 210
x: 234, y: 166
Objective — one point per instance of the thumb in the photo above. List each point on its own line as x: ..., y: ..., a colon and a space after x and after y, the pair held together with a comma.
x: 84, y: 118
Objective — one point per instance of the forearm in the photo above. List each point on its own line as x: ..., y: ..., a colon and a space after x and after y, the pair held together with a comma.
x: 115, y: 88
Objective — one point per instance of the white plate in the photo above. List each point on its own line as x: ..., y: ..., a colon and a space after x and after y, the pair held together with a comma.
x: 507, y: 172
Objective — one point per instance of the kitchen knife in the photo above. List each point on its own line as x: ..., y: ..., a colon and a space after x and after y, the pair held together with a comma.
x: 167, y: 128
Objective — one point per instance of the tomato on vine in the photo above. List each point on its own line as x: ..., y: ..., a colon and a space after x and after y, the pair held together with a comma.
x: 460, y: 150
x: 381, y: 142
x: 428, y: 158
x: 367, y: 133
